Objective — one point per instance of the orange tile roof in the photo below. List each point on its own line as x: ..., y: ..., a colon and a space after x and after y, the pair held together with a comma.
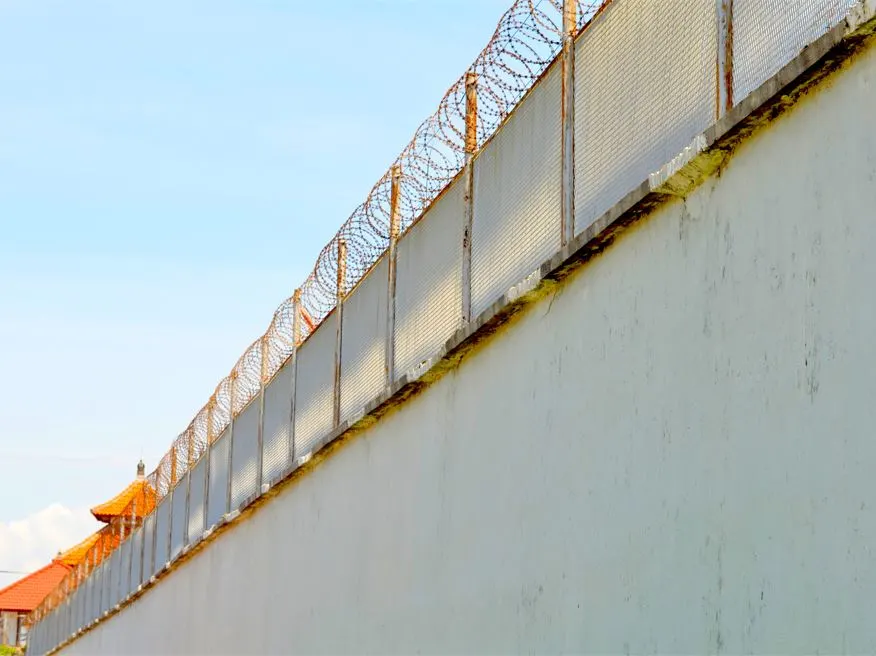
x: 108, y: 511
x: 26, y: 594
x: 75, y: 555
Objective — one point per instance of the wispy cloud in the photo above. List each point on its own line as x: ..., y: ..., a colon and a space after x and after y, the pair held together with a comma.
x: 30, y: 543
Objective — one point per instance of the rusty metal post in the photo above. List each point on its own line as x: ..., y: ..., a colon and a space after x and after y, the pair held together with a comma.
x: 173, y: 465
x: 131, y: 561
x: 230, y: 444
x: 471, y: 145
x: 724, y: 95
x: 296, y: 341
x: 567, y: 114
x: 263, y: 381
x: 211, y: 406
x: 190, y: 462
x: 392, y: 254
x: 339, y: 322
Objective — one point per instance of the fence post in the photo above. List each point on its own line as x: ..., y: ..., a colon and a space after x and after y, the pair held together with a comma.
x: 230, y: 443
x: 190, y: 462
x: 131, y: 561
x: 263, y: 381
x: 392, y: 254
x: 724, y: 95
x: 471, y: 144
x: 211, y: 405
x: 342, y: 281
x: 296, y: 340
x: 567, y: 113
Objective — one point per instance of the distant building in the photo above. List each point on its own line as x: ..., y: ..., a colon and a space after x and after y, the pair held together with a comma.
x: 23, y: 596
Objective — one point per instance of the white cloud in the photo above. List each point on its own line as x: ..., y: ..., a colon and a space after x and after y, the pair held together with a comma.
x: 29, y: 543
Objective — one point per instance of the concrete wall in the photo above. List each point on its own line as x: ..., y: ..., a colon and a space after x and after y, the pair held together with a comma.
x: 673, y: 453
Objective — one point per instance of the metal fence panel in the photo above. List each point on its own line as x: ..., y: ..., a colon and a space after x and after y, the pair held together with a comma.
x: 363, y: 349
x: 162, y: 534
x: 94, y: 603
x: 244, y: 458
x: 125, y: 570
x: 197, y: 492
x: 178, y: 518
x: 105, y: 587
x: 314, y: 386
x: 136, y: 560
x: 79, y: 607
x: 217, y: 502
x: 148, y: 548
x: 115, y: 570
x: 64, y: 612
x: 645, y: 87
x: 428, y: 297
x: 277, y: 430
x: 767, y: 34
x: 517, y: 195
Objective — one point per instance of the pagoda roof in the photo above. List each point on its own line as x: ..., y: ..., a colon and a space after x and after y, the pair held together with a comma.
x: 75, y: 555
x: 27, y: 593
x: 119, y: 504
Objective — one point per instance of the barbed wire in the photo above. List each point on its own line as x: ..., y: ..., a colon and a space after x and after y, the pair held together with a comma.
x: 526, y: 40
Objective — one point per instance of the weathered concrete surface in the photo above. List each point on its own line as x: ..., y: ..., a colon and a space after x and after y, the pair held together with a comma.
x: 673, y: 453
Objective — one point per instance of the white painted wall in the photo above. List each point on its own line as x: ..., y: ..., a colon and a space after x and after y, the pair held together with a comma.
x: 674, y: 454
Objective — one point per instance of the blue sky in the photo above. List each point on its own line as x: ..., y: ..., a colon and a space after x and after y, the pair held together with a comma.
x: 168, y: 173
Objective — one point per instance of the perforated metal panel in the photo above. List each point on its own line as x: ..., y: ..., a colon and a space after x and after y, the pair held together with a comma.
x: 428, y: 302
x: 105, y: 587
x: 64, y: 611
x: 94, y: 603
x: 124, y: 570
x: 217, y: 502
x: 277, y: 424
x: 162, y: 534
x: 178, y: 527
x: 645, y: 87
x: 767, y: 34
x: 148, y: 548
x: 197, y: 492
x: 244, y: 461
x: 76, y: 607
x: 363, y: 354
x: 115, y: 570
x: 517, y: 195
x: 136, y: 559
x: 314, y: 387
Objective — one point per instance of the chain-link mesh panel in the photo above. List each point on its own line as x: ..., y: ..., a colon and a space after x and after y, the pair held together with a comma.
x: 517, y: 195
x: 277, y: 428
x: 767, y: 34
x: 428, y: 299
x: 217, y: 501
x: 363, y: 352
x: 178, y: 518
x: 245, y: 456
x: 197, y: 492
x: 645, y: 87
x: 162, y: 535
x: 314, y: 387
x: 125, y: 570
x: 148, y: 548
